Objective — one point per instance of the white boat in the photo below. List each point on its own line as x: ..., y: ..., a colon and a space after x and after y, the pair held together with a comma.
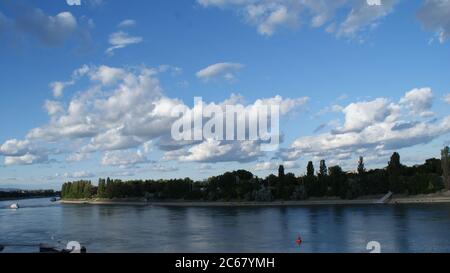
x: 14, y: 206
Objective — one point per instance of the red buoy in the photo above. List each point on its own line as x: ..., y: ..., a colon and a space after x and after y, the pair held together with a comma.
x: 299, y: 240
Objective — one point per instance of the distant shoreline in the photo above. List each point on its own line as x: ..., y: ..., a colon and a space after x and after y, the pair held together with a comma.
x: 422, y: 199
x: 24, y: 198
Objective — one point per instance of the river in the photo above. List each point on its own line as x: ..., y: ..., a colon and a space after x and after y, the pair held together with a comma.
x: 137, y: 229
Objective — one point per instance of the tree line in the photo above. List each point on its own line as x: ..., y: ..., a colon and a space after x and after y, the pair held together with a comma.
x: 430, y: 177
x: 22, y: 194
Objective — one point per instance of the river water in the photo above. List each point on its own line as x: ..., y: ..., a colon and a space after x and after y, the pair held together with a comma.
x: 136, y: 229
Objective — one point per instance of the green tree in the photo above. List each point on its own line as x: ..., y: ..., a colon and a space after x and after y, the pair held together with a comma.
x: 323, y: 171
x: 310, y: 169
x: 281, y: 171
x: 445, y: 161
x: 101, y: 191
x: 394, y: 165
x: 361, y: 168
x: 394, y: 169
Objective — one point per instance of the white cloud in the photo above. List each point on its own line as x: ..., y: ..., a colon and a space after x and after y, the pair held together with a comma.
x: 123, y: 158
x: 26, y: 159
x: 362, y: 16
x: 212, y: 151
x: 14, y: 147
x: 377, y: 127
x: 73, y: 2
x: 77, y: 175
x: 127, y: 23
x: 22, y: 152
x: 270, y: 15
x: 219, y: 70
x: 363, y: 114
x: 113, y: 139
x: 435, y: 16
x: 121, y: 39
x: 119, y: 110
x: 286, y: 105
x: 266, y: 166
x: 125, y: 109
x: 419, y: 101
x: 59, y: 86
x: 53, y: 107
x: 107, y: 75
x: 77, y: 157
x: 273, y: 166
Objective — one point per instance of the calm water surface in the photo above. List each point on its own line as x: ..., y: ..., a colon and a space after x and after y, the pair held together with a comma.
x: 402, y: 228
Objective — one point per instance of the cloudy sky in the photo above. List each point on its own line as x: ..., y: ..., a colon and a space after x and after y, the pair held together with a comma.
x: 87, y: 86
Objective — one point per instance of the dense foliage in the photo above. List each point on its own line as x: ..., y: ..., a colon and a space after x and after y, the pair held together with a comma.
x: 430, y: 177
x: 19, y: 194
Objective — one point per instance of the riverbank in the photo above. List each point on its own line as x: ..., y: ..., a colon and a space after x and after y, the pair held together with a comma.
x: 440, y: 197
x: 424, y: 199
x: 218, y: 204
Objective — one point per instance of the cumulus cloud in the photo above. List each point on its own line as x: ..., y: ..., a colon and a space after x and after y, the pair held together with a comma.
x: 107, y: 75
x: 22, y: 152
x: 363, y: 114
x: 123, y: 109
x: 375, y: 127
x: 213, y: 151
x: 435, y: 16
x: 26, y: 159
x: 120, y: 110
x: 270, y: 15
x: 121, y: 39
x: 419, y: 101
x: 219, y: 70
x: 14, y: 147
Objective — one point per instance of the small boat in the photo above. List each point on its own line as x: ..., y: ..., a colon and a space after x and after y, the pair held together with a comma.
x: 53, y: 199
x: 14, y: 206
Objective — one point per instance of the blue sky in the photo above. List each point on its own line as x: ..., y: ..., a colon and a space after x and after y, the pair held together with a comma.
x: 353, y: 80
